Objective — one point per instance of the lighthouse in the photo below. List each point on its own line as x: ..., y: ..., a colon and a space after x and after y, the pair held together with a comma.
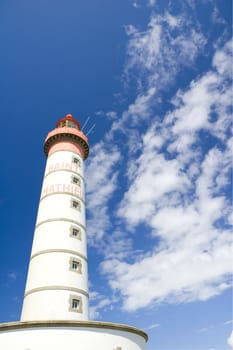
x: 56, y: 299
x: 57, y: 282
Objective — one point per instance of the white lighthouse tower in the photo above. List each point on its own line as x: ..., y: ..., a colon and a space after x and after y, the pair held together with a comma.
x: 55, y: 307
x: 57, y: 283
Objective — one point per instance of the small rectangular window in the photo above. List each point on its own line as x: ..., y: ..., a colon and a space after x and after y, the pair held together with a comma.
x: 75, y: 265
x: 75, y: 303
x: 76, y: 205
x: 77, y: 161
x: 75, y: 232
x: 76, y: 180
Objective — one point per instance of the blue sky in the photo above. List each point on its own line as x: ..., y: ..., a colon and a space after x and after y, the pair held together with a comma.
x: 154, y: 76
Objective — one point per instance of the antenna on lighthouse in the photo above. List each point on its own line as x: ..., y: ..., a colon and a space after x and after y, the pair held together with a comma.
x: 88, y: 118
x: 90, y: 130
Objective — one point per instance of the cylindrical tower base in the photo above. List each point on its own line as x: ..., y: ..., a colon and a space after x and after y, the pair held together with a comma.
x: 68, y: 335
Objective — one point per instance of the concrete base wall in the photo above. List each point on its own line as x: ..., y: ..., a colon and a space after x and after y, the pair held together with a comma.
x: 68, y: 335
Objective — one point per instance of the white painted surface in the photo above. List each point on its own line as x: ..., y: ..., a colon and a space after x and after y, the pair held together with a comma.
x: 68, y: 338
x: 53, y: 246
x: 52, y: 269
x: 50, y: 283
x: 55, y: 303
x: 57, y: 237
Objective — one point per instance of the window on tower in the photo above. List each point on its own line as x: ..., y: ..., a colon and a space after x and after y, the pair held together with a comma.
x: 76, y: 161
x: 75, y: 265
x: 75, y: 205
x: 75, y: 304
x: 75, y: 232
x: 67, y: 123
x: 76, y: 180
x: 71, y: 124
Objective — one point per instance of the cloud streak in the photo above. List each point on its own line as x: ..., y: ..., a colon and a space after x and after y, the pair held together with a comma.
x: 176, y: 172
x: 169, y: 43
x: 180, y: 191
x: 101, y: 184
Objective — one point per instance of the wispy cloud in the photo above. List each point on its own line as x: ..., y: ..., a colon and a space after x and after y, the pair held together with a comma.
x: 204, y: 329
x: 151, y: 3
x: 216, y: 17
x: 152, y: 326
x: 230, y: 340
x: 179, y: 190
x: 228, y: 322
x: 99, y: 303
x: 175, y: 171
x: 157, y: 54
x: 101, y: 184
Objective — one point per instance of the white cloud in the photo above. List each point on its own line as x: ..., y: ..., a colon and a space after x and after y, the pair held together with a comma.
x: 111, y: 115
x: 178, y: 190
x: 152, y: 326
x: 154, y: 178
x: 203, y: 330
x: 223, y: 59
x: 176, y: 186
x: 139, y: 110
x: 98, y: 304
x: 151, y: 3
x: 118, y: 245
x: 95, y: 310
x: 144, y: 47
x: 228, y: 322
x: 158, y: 53
x: 130, y: 29
x: 182, y: 274
x: 216, y: 18
x: 195, y: 105
x: 230, y: 340
x: 173, y: 21
x: 98, y: 171
x: 155, y: 57
x: 136, y: 4
x: 101, y: 180
x: 205, y: 106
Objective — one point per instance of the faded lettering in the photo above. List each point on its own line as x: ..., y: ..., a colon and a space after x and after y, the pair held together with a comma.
x: 63, y: 166
x: 62, y: 188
